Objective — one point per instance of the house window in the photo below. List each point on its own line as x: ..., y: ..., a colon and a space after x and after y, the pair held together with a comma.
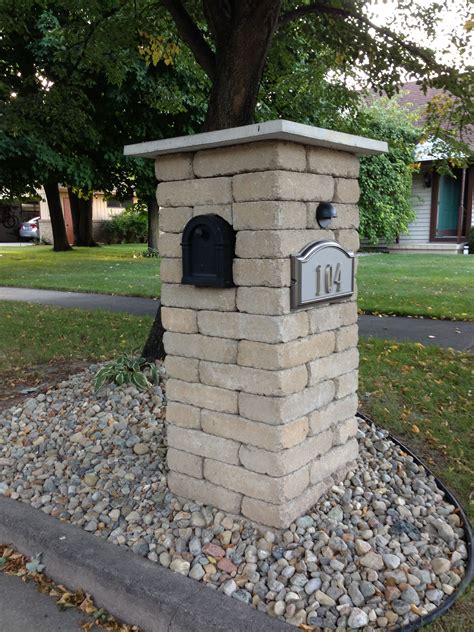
x: 116, y: 203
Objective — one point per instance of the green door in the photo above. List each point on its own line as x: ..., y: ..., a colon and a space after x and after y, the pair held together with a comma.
x: 448, y: 206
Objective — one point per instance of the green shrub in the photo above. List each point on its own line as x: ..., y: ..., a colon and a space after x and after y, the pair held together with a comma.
x: 471, y: 241
x: 129, y: 227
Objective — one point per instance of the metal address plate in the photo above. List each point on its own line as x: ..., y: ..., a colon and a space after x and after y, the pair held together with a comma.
x: 322, y: 271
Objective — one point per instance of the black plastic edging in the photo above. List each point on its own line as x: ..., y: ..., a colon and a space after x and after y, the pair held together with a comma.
x: 469, y: 574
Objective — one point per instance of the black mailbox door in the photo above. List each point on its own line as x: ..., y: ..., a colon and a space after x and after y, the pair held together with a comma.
x: 203, y: 253
x: 208, y: 252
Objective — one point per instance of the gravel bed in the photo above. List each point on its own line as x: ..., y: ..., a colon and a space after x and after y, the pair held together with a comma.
x: 381, y: 549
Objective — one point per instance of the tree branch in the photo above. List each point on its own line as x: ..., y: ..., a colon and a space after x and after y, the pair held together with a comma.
x: 192, y: 35
x: 317, y: 7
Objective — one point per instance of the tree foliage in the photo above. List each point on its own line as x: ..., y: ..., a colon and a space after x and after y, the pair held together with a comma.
x: 386, y: 180
x: 81, y: 78
x: 232, y: 40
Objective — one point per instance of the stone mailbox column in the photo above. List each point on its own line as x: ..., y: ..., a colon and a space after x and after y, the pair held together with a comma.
x: 261, y: 398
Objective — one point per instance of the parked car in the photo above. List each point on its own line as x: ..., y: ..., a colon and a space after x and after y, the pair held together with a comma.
x: 30, y: 229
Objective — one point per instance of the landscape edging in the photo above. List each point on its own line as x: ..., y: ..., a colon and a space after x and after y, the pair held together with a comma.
x: 128, y: 586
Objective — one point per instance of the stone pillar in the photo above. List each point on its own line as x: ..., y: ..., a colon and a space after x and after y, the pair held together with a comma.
x: 261, y: 399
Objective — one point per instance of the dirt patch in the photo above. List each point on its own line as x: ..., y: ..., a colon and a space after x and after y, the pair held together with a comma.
x: 18, y: 386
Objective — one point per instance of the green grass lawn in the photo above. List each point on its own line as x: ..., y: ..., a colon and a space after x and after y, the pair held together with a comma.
x: 107, y: 269
x: 34, y: 335
x: 434, y: 286
x: 421, y: 394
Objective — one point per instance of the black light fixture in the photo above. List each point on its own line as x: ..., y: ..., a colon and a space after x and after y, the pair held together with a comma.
x: 324, y: 213
x: 427, y: 177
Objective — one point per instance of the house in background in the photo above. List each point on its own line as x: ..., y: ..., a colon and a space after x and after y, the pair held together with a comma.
x: 102, y: 211
x: 442, y: 203
x: 13, y: 213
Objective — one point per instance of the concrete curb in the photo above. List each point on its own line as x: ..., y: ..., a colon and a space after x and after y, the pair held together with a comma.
x: 131, y: 588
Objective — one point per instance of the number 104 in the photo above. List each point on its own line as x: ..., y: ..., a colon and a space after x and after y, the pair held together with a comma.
x: 331, y: 278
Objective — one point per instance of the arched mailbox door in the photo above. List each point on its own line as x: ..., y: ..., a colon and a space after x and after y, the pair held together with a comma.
x: 208, y: 247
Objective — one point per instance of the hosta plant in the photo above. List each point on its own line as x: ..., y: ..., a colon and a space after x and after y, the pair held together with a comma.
x: 127, y: 369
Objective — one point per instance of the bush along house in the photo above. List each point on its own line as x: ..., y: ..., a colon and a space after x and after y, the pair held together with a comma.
x: 442, y: 202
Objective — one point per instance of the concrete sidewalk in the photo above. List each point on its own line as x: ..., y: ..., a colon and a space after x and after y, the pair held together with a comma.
x: 444, y: 333
x: 24, y: 609
x: 80, y: 300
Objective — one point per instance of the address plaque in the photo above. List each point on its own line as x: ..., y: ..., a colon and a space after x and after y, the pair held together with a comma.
x: 322, y: 271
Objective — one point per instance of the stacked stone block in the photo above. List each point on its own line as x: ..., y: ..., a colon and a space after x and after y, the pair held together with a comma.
x: 261, y: 399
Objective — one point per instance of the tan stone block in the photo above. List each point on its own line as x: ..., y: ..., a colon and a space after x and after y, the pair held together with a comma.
x: 262, y: 272
x: 333, y: 366
x: 186, y: 369
x: 335, y: 163
x: 250, y: 380
x: 173, y: 220
x: 347, y: 217
x: 286, y: 461
x: 201, y: 347
x: 345, y: 431
x: 336, y: 412
x: 272, y: 438
x: 280, y: 410
x: 289, y: 354
x: 332, y: 316
x: 202, y: 396
x: 174, y: 167
x: 256, y: 327
x: 282, y: 185
x: 205, y: 492
x: 346, y: 384
x: 185, y: 463
x: 260, y: 156
x: 349, y: 239
x: 333, y: 460
x: 171, y: 270
x: 273, y: 490
x: 188, y: 296
x: 281, y: 516
x: 275, y: 244
x: 347, y: 337
x: 180, y: 320
x: 223, y: 210
x: 183, y: 415
x: 263, y: 300
x: 264, y: 215
x: 195, y: 192
x: 346, y: 190
x: 202, y: 444
x: 169, y: 245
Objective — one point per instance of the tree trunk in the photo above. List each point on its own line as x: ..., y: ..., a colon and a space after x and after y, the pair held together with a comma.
x: 154, y: 348
x: 85, y: 224
x: 242, y: 38
x: 153, y: 217
x: 75, y: 212
x: 60, y: 240
x: 81, y: 211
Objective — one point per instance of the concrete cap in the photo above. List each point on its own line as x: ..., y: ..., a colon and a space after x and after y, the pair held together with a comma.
x: 270, y: 130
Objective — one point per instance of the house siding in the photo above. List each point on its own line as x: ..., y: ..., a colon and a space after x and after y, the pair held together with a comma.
x: 100, y: 211
x: 419, y: 229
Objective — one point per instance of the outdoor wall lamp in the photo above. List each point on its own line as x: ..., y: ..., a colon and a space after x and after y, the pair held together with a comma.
x: 324, y: 214
x: 427, y: 177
